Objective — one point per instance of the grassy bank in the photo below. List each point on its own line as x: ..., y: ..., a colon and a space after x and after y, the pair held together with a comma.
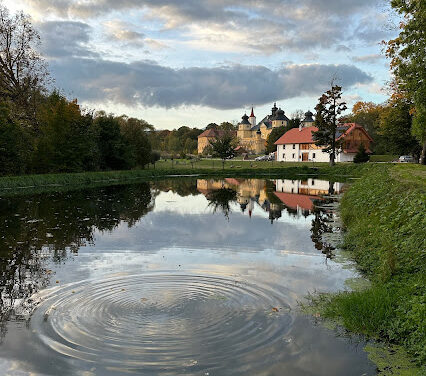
x: 19, y: 184
x: 384, y: 214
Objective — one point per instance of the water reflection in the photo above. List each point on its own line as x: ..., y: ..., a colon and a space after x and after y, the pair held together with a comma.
x: 174, y: 277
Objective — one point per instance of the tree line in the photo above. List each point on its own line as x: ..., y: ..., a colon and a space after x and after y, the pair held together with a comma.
x: 44, y: 132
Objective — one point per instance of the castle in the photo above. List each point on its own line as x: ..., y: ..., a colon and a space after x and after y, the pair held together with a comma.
x: 252, y: 136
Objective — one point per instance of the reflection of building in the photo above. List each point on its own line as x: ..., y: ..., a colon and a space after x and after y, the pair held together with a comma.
x: 251, y: 193
x: 301, y: 194
x: 296, y: 196
x: 297, y: 145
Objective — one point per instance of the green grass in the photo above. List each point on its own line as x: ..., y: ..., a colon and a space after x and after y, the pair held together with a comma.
x: 29, y: 183
x: 384, y: 215
x: 383, y: 158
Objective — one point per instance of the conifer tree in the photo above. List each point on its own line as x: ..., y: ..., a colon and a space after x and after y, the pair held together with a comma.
x: 328, y: 109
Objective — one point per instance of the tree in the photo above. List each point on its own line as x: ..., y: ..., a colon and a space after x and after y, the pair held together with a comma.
x: 395, y: 127
x: 362, y: 155
x: 135, y: 135
x: 227, y: 126
x: 223, y: 147
x: 328, y: 109
x: 212, y: 126
x: 275, y: 134
x: 368, y: 115
x: 14, y: 144
x: 114, y: 154
x: 408, y: 55
x: 155, y: 157
x: 23, y: 73
x: 63, y: 144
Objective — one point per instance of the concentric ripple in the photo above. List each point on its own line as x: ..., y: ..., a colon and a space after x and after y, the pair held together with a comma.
x: 155, y: 323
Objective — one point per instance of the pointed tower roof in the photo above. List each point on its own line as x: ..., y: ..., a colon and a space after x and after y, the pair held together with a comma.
x: 252, y: 112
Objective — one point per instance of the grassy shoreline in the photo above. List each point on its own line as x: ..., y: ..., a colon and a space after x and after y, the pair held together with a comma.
x: 18, y: 184
x: 384, y: 216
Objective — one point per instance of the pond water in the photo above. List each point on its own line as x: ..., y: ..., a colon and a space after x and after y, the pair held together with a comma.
x: 174, y: 277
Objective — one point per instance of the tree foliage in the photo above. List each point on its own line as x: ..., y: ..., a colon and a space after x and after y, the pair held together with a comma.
x: 362, y: 155
x: 328, y: 109
x: 224, y: 147
x: 23, y: 73
x: 408, y: 62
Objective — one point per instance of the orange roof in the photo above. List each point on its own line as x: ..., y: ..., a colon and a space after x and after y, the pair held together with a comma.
x: 296, y: 136
x: 211, y: 133
x: 294, y: 201
x: 304, y: 136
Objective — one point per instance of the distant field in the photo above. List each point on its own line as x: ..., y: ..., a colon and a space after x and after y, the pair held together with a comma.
x: 383, y: 158
x: 234, y: 163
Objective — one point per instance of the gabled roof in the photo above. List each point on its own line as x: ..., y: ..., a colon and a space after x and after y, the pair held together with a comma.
x: 350, y: 127
x: 212, y: 133
x: 294, y: 201
x: 304, y: 136
x: 296, y: 136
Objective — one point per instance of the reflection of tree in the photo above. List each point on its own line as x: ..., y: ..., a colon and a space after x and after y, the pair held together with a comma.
x: 50, y: 226
x: 221, y: 199
x: 183, y: 187
x: 320, y: 226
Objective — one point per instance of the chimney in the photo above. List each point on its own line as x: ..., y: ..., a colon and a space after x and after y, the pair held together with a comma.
x: 300, y: 126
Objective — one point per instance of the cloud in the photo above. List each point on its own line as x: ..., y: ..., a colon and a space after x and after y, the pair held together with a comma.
x: 238, y: 25
x: 367, y: 58
x: 65, y: 38
x: 149, y: 84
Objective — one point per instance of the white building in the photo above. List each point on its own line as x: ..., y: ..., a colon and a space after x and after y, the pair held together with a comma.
x: 297, y: 145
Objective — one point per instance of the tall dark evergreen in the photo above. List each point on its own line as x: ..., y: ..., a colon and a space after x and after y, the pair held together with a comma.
x: 328, y: 110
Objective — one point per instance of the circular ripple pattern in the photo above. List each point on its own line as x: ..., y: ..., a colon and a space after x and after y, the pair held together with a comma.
x: 163, y: 323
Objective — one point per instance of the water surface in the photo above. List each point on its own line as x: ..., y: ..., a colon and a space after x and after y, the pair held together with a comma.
x: 176, y: 277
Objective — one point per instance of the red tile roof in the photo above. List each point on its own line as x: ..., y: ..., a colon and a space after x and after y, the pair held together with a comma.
x: 296, y: 136
x: 304, y: 136
x: 211, y: 133
x: 214, y: 133
x: 294, y: 201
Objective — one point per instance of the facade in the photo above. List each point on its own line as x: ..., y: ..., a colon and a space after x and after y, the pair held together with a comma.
x: 207, y: 136
x: 297, y: 145
x: 251, y: 135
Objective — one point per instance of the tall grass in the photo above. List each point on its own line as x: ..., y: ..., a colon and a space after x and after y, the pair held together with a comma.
x: 384, y: 215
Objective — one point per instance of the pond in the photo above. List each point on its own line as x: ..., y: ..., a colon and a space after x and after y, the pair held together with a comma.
x: 175, y: 277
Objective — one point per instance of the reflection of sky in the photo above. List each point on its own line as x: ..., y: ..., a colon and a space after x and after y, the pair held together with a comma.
x: 189, y: 222
x: 182, y: 236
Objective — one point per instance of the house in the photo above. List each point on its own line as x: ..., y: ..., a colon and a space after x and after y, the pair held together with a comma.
x: 207, y: 136
x: 297, y: 145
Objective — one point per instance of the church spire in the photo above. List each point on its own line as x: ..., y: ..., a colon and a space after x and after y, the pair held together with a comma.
x: 252, y: 112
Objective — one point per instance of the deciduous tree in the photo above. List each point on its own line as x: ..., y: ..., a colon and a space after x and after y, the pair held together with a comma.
x: 408, y: 61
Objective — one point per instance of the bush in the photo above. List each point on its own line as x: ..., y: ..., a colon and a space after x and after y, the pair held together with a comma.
x: 362, y: 155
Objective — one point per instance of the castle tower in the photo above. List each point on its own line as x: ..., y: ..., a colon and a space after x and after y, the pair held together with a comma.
x: 308, y: 121
x: 279, y: 119
x: 274, y: 109
x: 252, y: 118
x: 244, y: 128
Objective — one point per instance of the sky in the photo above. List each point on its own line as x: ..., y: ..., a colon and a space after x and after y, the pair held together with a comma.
x: 194, y: 62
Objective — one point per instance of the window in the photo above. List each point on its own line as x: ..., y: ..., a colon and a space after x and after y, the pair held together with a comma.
x: 283, y: 156
x: 313, y: 182
x: 294, y: 146
x: 284, y: 147
x: 293, y: 155
x: 313, y: 155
